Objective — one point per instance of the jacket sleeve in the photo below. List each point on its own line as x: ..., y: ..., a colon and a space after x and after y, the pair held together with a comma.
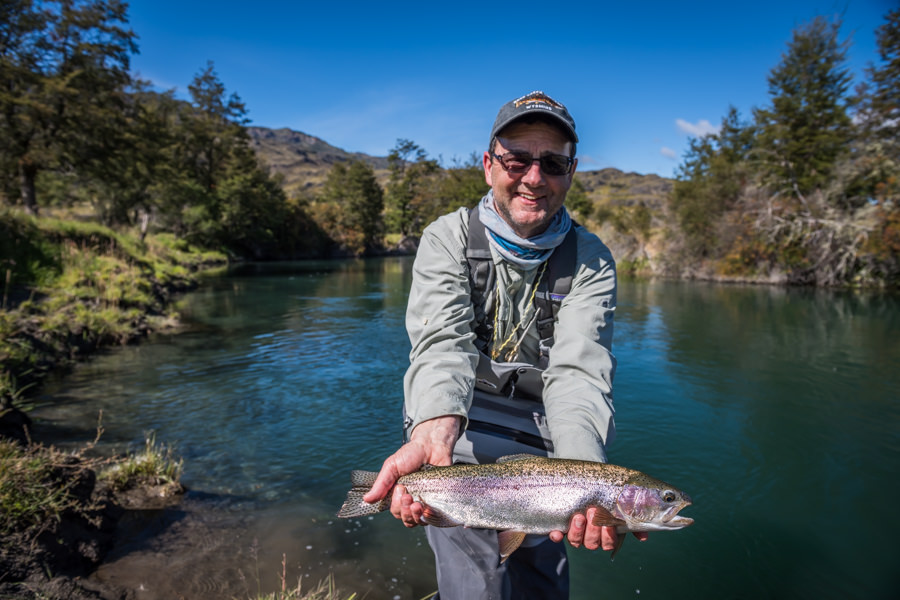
x: 579, y: 377
x: 439, y: 317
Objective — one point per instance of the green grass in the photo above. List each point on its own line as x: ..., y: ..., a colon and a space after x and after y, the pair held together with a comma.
x: 31, y: 488
x: 155, y: 464
x: 324, y: 590
x: 71, y: 287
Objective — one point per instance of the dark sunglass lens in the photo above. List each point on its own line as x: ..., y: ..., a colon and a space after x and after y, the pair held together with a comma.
x: 516, y: 163
x: 555, y: 164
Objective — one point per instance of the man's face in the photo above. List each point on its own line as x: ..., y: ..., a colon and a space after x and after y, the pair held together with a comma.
x: 528, y: 201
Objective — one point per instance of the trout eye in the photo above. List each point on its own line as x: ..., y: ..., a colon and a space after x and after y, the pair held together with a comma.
x: 669, y: 496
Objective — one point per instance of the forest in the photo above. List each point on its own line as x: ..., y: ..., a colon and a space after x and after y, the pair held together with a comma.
x: 803, y: 190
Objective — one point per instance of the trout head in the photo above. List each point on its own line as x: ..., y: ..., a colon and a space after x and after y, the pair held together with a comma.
x: 647, y: 504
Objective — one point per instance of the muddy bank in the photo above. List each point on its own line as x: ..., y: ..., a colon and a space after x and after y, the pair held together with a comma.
x: 51, y: 556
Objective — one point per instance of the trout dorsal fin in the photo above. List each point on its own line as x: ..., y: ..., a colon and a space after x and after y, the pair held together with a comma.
x: 512, y: 457
x: 509, y: 541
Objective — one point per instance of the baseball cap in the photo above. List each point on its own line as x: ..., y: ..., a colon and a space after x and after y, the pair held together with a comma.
x: 534, y: 103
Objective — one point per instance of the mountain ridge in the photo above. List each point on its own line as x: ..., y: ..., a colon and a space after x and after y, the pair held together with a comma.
x: 303, y: 160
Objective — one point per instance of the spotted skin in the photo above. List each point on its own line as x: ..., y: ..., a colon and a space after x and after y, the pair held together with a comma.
x: 529, y: 494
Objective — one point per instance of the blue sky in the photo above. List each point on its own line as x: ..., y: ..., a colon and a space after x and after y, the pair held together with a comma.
x: 638, y: 77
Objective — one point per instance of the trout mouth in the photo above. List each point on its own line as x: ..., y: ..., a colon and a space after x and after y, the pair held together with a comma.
x: 679, y: 521
x: 675, y: 520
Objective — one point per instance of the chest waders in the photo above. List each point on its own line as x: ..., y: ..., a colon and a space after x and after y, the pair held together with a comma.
x: 507, y: 415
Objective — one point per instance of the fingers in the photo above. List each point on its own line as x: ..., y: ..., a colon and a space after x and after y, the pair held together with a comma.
x: 405, y: 460
x: 576, y: 530
x: 583, y: 532
x: 432, y: 442
x: 609, y: 539
x: 384, y: 482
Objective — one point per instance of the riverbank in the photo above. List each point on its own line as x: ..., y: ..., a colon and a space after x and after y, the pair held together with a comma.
x: 71, y: 288
x: 61, y: 511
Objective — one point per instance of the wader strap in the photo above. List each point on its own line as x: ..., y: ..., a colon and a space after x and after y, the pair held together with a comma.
x: 481, y: 280
x: 552, y: 288
x: 507, y: 413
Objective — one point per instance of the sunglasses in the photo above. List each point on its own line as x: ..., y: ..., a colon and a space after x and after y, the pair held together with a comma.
x: 517, y: 163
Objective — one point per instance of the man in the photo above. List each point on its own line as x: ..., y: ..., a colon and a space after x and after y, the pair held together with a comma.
x: 529, y: 166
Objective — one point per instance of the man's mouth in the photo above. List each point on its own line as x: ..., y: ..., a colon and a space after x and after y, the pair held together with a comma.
x: 529, y: 197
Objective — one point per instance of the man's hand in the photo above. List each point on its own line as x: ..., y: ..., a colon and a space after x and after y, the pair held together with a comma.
x: 583, y: 531
x: 431, y: 443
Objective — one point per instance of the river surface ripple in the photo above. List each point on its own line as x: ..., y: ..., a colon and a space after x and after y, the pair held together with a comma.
x: 776, y: 409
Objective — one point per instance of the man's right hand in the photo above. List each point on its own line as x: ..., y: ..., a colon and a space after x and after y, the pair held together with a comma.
x: 431, y: 443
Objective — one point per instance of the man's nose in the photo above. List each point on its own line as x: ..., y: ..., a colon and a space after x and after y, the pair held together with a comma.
x: 534, y: 175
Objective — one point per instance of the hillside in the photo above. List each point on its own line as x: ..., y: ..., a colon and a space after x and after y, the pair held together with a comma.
x: 615, y: 187
x: 303, y: 160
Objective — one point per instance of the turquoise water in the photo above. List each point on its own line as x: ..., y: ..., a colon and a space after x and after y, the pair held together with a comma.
x: 776, y: 409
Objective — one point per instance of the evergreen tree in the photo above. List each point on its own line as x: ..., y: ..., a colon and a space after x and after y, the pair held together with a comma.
x: 63, y: 67
x: 710, y: 181
x: 130, y: 183
x: 875, y: 172
x: 356, y: 203
x: 879, y: 102
x: 216, y: 127
x: 805, y: 131
x: 217, y: 183
x: 412, y: 174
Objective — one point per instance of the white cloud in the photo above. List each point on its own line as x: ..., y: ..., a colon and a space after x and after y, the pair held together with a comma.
x: 700, y: 129
x: 668, y: 153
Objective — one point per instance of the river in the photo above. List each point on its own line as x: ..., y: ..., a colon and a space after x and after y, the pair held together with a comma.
x: 777, y: 410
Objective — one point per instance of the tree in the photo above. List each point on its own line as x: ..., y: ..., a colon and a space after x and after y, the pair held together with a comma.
x: 411, y: 174
x: 577, y: 200
x: 63, y: 67
x: 879, y: 97
x: 461, y: 184
x: 807, y: 128
x: 133, y: 180
x: 217, y: 181
x: 216, y: 127
x: 709, y: 182
x: 357, y: 202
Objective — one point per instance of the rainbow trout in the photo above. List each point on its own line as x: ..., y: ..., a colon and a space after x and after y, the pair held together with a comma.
x: 524, y: 494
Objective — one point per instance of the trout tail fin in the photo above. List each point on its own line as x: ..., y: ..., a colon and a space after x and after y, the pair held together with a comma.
x: 354, y: 506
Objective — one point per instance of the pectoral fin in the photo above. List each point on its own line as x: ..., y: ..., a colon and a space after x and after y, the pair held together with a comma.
x: 509, y: 542
x: 619, y: 542
x: 603, y: 517
x: 433, y: 516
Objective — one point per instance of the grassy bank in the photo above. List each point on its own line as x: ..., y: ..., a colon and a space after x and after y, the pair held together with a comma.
x: 71, y: 287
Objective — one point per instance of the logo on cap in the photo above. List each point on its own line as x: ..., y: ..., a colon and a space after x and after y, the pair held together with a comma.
x: 538, y: 98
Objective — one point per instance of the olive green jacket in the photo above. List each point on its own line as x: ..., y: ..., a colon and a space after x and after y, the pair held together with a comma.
x: 439, y: 319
